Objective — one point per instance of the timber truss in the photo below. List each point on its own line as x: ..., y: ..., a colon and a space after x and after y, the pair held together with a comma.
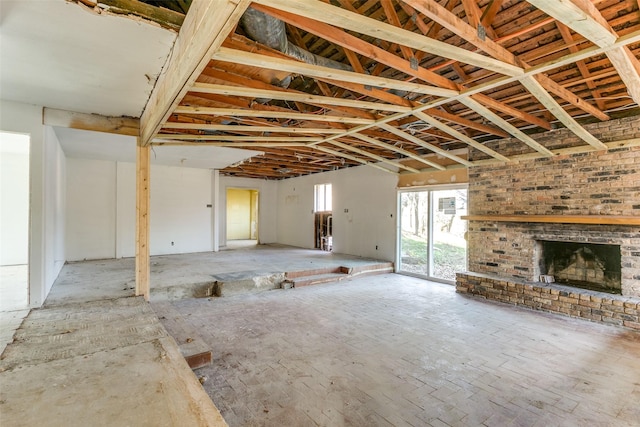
x: 419, y: 82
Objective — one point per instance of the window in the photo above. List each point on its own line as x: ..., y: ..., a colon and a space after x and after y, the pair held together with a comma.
x: 322, y: 197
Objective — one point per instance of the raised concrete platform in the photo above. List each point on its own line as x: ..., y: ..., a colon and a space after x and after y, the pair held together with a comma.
x: 224, y: 273
x: 107, y: 362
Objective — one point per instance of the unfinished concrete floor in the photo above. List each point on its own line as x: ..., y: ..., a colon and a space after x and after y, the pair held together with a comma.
x: 393, y: 350
x: 175, y: 276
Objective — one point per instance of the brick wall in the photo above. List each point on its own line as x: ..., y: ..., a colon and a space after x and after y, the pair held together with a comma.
x: 594, y: 306
x: 595, y: 183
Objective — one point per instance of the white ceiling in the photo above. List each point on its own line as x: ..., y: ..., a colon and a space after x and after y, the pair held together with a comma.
x: 63, y: 55
x: 103, y: 146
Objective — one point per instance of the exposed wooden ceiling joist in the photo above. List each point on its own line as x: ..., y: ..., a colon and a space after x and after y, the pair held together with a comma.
x: 430, y: 78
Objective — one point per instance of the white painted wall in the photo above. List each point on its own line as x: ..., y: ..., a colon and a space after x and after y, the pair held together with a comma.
x: 46, y: 199
x: 91, y: 204
x: 178, y: 210
x: 267, y: 206
x: 368, y: 194
x: 101, y: 203
x: 14, y: 199
x: 55, y: 205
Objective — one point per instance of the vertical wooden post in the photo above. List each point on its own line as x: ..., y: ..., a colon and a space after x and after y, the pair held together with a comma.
x: 215, y: 196
x: 143, y: 263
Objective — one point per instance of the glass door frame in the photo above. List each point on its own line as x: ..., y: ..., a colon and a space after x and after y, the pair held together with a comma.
x: 429, y: 190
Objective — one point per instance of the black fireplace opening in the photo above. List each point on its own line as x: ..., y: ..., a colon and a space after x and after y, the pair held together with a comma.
x: 591, y: 266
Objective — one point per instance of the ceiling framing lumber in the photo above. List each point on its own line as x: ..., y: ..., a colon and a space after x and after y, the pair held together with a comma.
x: 547, y: 100
x: 241, y: 128
x: 448, y: 20
x: 239, y: 112
x: 350, y: 157
x: 69, y: 119
x: 402, y: 151
x: 423, y: 81
x: 585, y: 19
x: 315, y: 9
x: 256, y: 60
x: 373, y: 156
x: 451, y: 131
x: 476, y: 106
x: 205, y: 27
x: 293, y: 96
x: 421, y: 143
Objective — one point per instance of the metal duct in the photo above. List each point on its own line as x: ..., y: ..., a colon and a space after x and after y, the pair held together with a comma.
x: 272, y: 32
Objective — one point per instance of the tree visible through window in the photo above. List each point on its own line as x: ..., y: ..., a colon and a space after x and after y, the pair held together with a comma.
x: 322, y: 197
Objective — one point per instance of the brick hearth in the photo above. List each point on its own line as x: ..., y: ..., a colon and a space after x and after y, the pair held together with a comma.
x: 591, y: 305
x: 503, y: 256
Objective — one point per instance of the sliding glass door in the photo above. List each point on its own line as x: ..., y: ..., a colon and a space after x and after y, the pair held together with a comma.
x: 431, y: 234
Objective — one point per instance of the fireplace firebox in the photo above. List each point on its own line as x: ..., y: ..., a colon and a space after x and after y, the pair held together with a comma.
x: 585, y: 265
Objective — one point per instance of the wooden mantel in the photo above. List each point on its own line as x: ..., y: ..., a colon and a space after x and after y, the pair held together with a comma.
x: 560, y: 219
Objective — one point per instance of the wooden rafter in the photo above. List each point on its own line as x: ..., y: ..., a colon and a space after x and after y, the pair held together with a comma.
x: 320, y: 11
x: 448, y: 20
x: 585, y: 19
x: 373, y: 156
x: 350, y: 157
x: 402, y: 151
x: 423, y: 144
x: 417, y: 91
x: 292, y: 96
x: 205, y: 27
x: 246, y: 58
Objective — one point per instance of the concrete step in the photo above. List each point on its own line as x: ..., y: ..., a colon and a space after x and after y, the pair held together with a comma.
x: 316, y: 279
x: 192, y: 347
x: 246, y: 282
x: 296, y: 279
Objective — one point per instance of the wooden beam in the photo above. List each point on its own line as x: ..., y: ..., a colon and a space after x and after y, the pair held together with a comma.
x: 490, y: 12
x: 239, y: 112
x: 584, y: 18
x: 451, y: 21
x: 94, y: 122
x: 293, y: 96
x: 165, y: 17
x: 582, y: 66
x: 255, y: 60
x: 459, y: 136
x: 559, y: 219
x: 627, y: 65
x: 423, y: 144
x: 250, y: 128
x: 205, y: 27
x: 241, y: 138
x: 223, y: 143
x: 490, y: 115
x: 320, y: 11
x: 349, y: 41
x: 143, y: 261
x: 402, y: 151
x: 372, y: 155
x: 487, y: 101
x: 550, y: 104
x: 350, y: 157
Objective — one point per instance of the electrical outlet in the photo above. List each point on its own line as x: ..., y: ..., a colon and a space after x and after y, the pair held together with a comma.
x: 171, y: 243
x: 376, y: 247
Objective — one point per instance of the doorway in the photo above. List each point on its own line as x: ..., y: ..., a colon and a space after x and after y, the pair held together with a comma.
x: 323, y: 222
x: 432, y: 234
x: 242, y: 214
x: 14, y: 221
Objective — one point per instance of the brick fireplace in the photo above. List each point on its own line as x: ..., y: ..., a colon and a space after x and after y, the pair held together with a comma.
x: 601, y: 186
